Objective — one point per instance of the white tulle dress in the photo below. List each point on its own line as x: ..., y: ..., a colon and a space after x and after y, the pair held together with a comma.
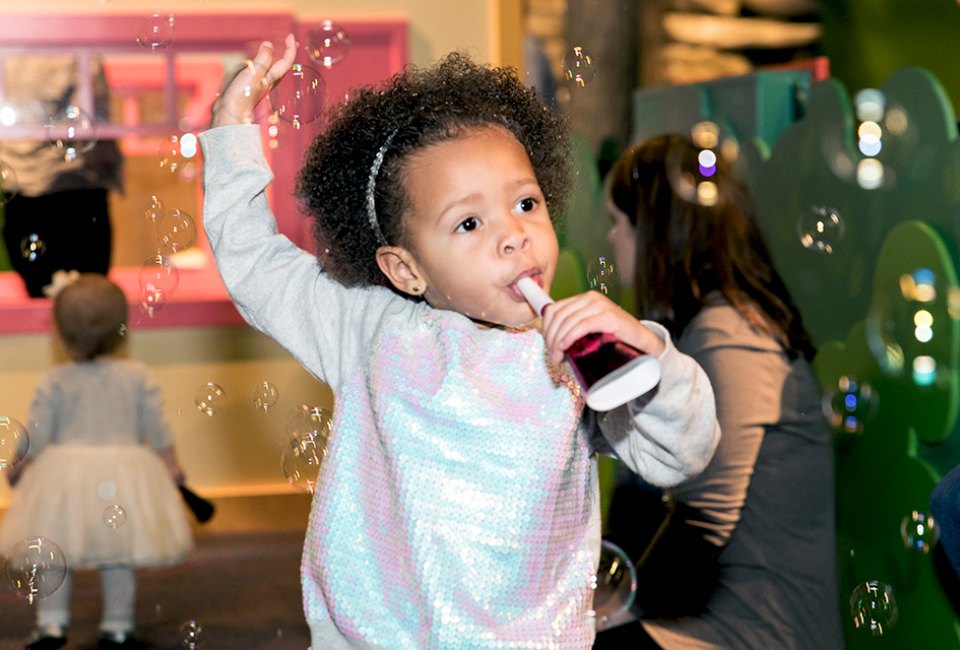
x: 94, y: 484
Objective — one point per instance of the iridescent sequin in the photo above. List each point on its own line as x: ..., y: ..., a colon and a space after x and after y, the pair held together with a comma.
x: 458, y: 505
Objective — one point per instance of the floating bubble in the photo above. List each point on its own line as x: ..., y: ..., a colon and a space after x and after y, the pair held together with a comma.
x: 154, y: 209
x: 602, y: 274
x: 14, y: 441
x: 850, y: 404
x: 34, y: 568
x: 300, y: 460
x: 919, y: 531
x: 209, y: 398
x: 873, y: 607
x: 615, y: 585
x: 8, y: 183
x: 305, y: 419
x: 176, y: 230
x: 265, y: 395
x: 924, y: 370
x: 159, y: 279
x: 72, y: 132
x: 298, y: 98
x: 820, y: 229
x: 191, y: 635
x: 114, y: 516
x: 327, y: 44
x: 578, y: 67
x: 156, y: 31
x: 32, y: 247
x: 870, y: 105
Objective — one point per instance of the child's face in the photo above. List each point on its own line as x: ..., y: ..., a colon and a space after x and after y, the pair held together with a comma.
x: 478, y: 222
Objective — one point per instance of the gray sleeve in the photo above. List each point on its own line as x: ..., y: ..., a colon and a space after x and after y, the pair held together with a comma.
x: 42, y: 423
x: 277, y: 287
x: 669, y: 434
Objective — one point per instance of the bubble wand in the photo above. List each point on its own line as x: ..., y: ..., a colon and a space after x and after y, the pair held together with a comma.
x: 610, y: 371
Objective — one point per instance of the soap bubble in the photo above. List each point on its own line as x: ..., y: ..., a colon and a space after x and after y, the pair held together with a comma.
x: 297, y: 98
x: 14, y: 441
x: 158, y: 278
x: 156, y: 31
x: 176, y: 230
x: 265, y: 395
x: 820, y: 229
x: 209, y: 398
x: 191, y: 635
x: 578, y: 67
x: 32, y: 247
x: 615, y: 584
x: 850, y: 404
x: 919, y: 531
x: 72, y: 132
x: 327, y: 44
x: 309, y: 419
x: 114, y: 516
x: 154, y: 209
x: 873, y: 607
x: 8, y: 183
x: 300, y: 460
x: 602, y: 274
x: 34, y: 568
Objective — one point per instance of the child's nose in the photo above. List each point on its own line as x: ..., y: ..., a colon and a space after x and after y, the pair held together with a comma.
x: 514, y: 236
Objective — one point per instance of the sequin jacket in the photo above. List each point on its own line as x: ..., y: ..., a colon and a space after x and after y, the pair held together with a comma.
x: 457, y: 506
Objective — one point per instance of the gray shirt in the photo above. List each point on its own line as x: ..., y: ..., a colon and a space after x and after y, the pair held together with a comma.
x: 768, y: 494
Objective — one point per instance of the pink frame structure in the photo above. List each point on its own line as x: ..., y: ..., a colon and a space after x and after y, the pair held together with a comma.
x: 378, y: 49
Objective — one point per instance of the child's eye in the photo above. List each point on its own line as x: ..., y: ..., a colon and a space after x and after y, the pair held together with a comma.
x: 468, y: 224
x: 526, y: 205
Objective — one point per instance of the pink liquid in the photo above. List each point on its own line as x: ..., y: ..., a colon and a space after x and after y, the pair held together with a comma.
x: 596, y: 355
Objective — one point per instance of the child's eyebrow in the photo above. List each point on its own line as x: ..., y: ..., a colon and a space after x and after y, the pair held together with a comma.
x: 463, y: 200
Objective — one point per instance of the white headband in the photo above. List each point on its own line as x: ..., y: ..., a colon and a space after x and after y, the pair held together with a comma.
x: 372, y: 190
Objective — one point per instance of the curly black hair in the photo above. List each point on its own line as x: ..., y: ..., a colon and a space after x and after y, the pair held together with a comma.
x: 416, y: 108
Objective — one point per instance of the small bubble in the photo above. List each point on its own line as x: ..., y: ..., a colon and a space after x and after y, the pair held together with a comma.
x: 328, y: 44
x: 851, y: 403
x: 297, y: 99
x: 8, y: 183
x: 114, y: 516
x: 156, y: 31
x: 820, y: 229
x: 32, y: 247
x: 614, y: 585
x: 154, y: 209
x: 71, y: 132
x: 300, y: 460
x: 919, y: 531
x: 209, y: 398
x: 34, y: 568
x: 14, y: 441
x: 265, y: 395
x: 191, y: 635
x: 602, y: 275
x: 578, y: 67
x: 873, y: 607
x: 176, y: 231
x: 158, y: 278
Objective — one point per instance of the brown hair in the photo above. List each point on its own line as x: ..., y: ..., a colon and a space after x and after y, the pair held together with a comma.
x: 90, y: 315
x: 687, y: 247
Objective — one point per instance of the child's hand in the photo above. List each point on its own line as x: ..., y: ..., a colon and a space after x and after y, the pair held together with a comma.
x: 250, y: 85
x: 566, y: 321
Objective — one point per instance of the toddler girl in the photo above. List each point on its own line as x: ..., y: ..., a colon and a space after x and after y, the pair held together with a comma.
x: 100, y: 479
x: 458, y: 503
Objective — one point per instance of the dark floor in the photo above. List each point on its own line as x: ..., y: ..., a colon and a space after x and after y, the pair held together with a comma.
x: 242, y: 588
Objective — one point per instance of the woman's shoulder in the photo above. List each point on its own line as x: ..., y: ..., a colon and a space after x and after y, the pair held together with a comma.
x: 720, y: 324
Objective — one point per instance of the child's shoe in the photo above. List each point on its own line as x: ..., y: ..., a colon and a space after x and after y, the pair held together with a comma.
x: 47, y: 638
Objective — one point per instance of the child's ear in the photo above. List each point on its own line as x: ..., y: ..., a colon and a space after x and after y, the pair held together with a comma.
x: 400, y: 267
